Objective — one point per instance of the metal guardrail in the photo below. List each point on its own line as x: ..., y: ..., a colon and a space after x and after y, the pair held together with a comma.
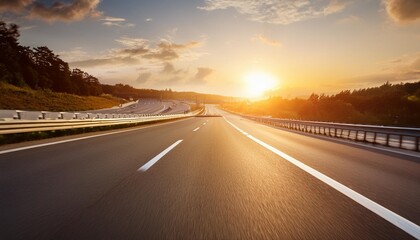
x: 47, y: 121
x: 7, y: 115
x: 398, y: 137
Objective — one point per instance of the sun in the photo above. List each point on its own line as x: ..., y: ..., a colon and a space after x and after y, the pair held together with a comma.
x: 257, y: 83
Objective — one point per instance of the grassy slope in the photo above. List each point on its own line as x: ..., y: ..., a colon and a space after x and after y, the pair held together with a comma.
x: 12, y: 97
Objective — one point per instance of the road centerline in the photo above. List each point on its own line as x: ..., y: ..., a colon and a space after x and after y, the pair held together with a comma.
x: 397, y: 220
x: 196, y: 129
x: 154, y: 160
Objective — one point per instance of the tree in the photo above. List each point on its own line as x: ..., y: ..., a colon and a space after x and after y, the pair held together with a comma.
x: 9, y: 54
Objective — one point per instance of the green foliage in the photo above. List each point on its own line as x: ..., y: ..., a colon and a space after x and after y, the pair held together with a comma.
x: 388, y: 104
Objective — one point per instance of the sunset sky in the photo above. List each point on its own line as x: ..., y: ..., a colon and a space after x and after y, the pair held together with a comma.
x: 227, y: 46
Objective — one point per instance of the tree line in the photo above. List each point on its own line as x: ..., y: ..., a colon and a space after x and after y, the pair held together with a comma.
x: 40, y: 67
x: 389, y: 104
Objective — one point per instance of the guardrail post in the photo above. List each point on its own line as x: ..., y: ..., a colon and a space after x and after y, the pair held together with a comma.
x: 401, y: 140
x: 364, y: 136
x: 374, y: 137
x: 416, y: 141
x: 19, y: 114
x: 387, y: 139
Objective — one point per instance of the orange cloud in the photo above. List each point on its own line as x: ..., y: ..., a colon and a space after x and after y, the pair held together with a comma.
x: 279, y: 11
x: 13, y: 5
x: 268, y: 41
x: 403, y: 10
x: 74, y: 11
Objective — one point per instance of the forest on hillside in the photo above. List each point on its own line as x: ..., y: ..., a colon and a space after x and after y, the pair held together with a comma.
x: 40, y: 68
x: 389, y: 104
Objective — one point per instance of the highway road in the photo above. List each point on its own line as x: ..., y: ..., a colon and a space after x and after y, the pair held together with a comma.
x: 206, y: 178
x: 148, y: 106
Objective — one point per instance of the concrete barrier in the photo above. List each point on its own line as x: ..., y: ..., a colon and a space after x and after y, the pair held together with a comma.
x: 28, y: 115
x: 8, y: 114
x: 50, y: 115
x: 67, y: 116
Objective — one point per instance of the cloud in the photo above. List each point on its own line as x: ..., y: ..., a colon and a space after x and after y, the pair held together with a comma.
x: 14, y: 5
x: 277, y: 11
x: 162, y: 50
x: 402, y: 69
x: 136, y: 50
x: 415, y: 65
x: 334, y: 6
x: 63, y: 11
x: 349, y: 20
x: 74, y: 54
x: 97, y: 62
x: 405, y: 68
x: 169, y: 75
x: 202, y: 74
x: 404, y: 64
x: 113, y: 19
x: 263, y: 39
x: 165, y: 76
x: 162, y: 54
x: 143, y: 77
x: 133, y: 42
x: 29, y: 27
x: 168, y: 50
x: 116, y: 22
x: 119, y: 24
x: 149, y: 19
x: 403, y: 10
x: 168, y: 68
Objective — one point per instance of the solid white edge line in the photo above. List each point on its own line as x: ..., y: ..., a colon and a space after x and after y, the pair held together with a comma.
x: 399, y: 221
x: 83, y: 138
x: 196, y: 129
x: 150, y: 163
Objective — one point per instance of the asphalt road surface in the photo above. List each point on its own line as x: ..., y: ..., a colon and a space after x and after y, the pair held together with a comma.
x: 206, y: 178
x: 148, y: 106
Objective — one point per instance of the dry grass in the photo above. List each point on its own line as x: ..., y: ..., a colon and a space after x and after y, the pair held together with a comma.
x: 12, y: 97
